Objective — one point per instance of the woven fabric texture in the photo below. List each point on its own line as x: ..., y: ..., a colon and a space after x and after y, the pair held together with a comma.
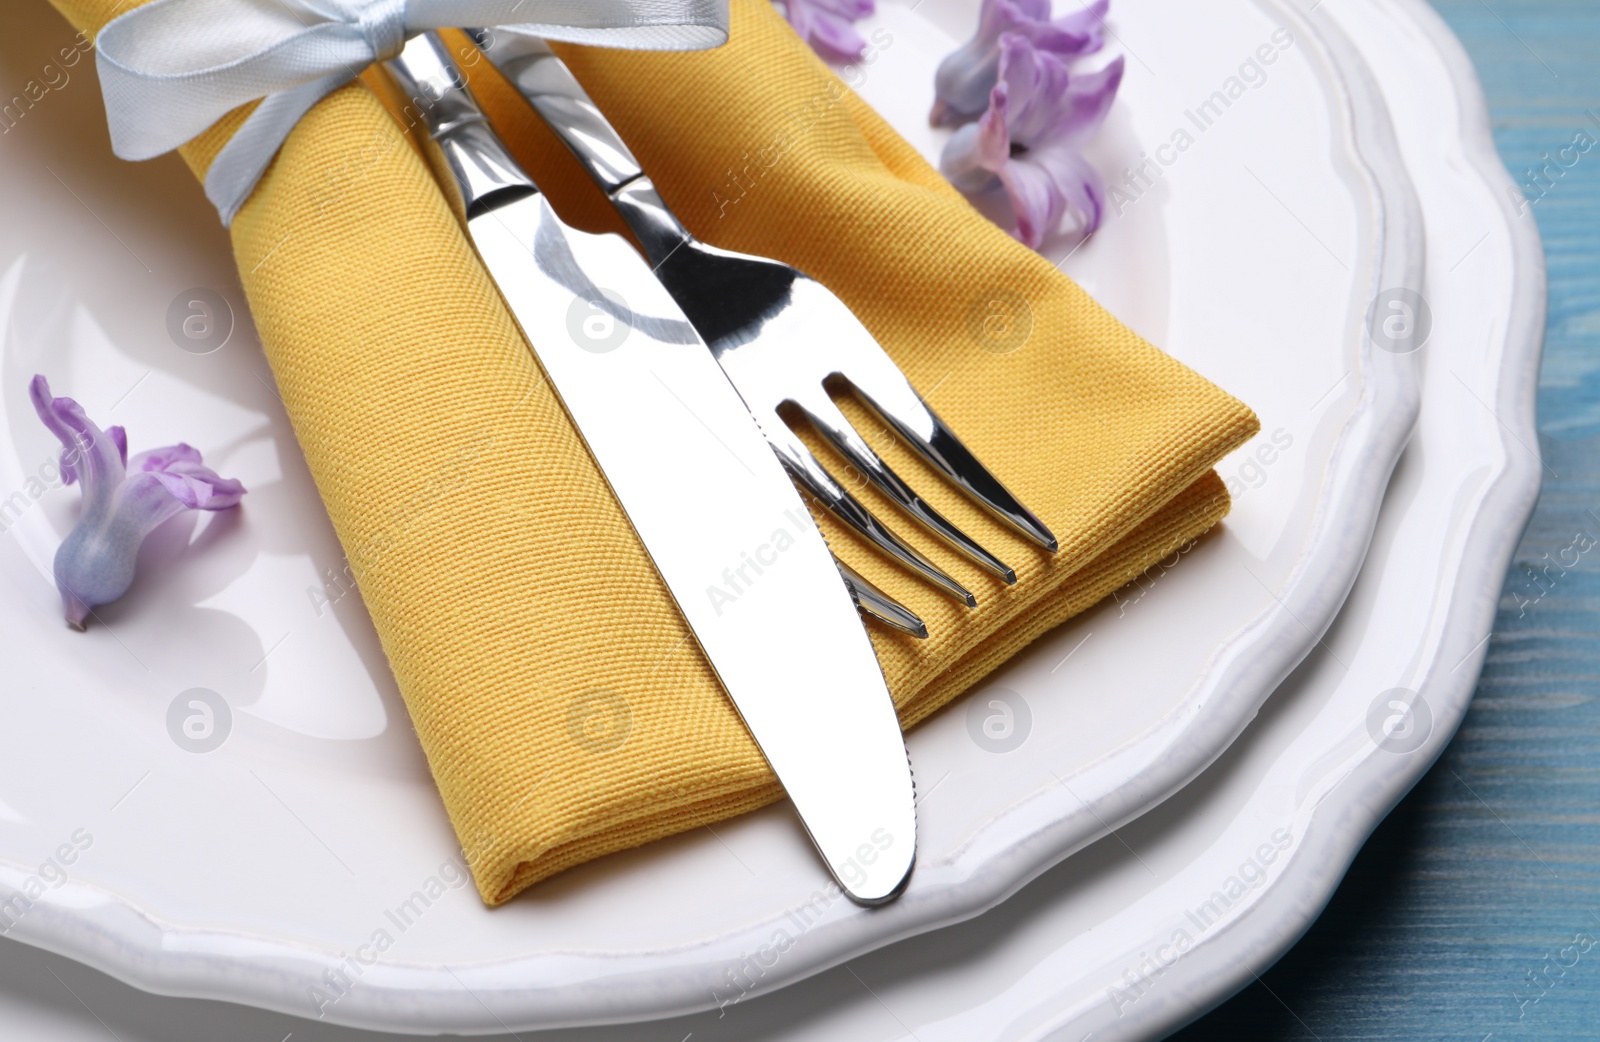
x: 564, y: 707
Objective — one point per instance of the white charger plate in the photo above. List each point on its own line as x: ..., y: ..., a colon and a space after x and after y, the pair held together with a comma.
x: 1091, y: 950
x: 249, y: 872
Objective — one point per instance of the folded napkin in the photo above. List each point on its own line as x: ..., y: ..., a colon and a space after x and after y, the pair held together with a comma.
x: 563, y: 706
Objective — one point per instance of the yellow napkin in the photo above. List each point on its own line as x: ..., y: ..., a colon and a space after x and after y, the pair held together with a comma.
x: 562, y: 704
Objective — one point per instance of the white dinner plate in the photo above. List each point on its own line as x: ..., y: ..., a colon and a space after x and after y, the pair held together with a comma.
x: 254, y: 870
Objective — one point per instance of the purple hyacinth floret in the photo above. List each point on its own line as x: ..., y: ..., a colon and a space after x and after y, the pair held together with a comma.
x: 828, y: 25
x: 1040, y: 113
x: 962, y: 84
x: 123, y: 500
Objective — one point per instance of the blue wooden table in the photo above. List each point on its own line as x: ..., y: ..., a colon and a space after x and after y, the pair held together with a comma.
x: 1474, y: 910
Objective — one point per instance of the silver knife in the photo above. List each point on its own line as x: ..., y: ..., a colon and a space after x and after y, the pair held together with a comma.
x: 722, y: 523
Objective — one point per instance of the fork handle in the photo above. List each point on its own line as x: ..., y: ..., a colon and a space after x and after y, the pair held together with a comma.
x: 560, y: 100
x: 481, y: 171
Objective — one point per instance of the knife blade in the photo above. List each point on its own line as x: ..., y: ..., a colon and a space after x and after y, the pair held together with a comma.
x: 746, y: 564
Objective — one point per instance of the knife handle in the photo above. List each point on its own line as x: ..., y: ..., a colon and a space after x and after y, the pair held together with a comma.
x: 482, y: 173
x: 560, y: 100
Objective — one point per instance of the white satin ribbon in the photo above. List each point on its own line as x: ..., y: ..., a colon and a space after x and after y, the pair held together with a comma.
x: 172, y: 68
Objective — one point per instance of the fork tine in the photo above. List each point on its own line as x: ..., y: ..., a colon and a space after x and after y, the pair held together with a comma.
x: 885, y: 390
x: 879, y: 605
x: 809, y: 471
x: 841, y: 435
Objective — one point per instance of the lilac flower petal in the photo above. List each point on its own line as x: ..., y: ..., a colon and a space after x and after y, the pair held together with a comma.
x: 1087, y: 103
x: 146, y: 500
x: 1086, y: 194
x: 180, y: 470
x: 1035, y: 199
x: 962, y: 83
x: 1013, y: 12
x: 55, y: 420
x: 963, y: 80
x: 1083, y: 190
x: 836, y: 39
x: 994, y: 129
x: 1063, y: 43
x: 1037, y: 85
x: 122, y: 503
x: 189, y: 492
x: 198, y: 487
x: 1050, y: 102
x: 50, y: 412
x: 826, y: 25
x: 87, y: 452
x: 976, y: 153
x: 161, y: 459
x: 1047, y: 185
x: 962, y: 163
x: 801, y: 17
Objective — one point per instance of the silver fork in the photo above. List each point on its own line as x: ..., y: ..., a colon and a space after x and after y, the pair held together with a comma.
x: 781, y: 336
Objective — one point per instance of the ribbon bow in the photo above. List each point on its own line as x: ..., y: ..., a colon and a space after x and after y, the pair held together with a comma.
x: 172, y: 68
